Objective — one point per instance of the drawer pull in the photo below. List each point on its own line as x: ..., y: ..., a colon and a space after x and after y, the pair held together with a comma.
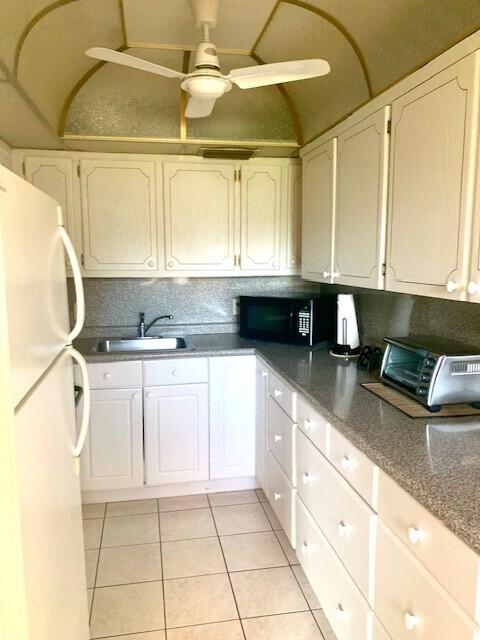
x: 346, y: 463
x: 264, y: 374
x: 305, y: 548
x: 416, y: 535
x: 136, y: 396
x: 306, y: 478
x: 149, y: 394
x: 307, y: 424
x: 343, y: 529
x: 340, y: 613
x: 277, y: 393
x: 107, y: 376
x: 174, y: 372
x: 411, y: 621
x: 277, y: 437
x: 276, y: 496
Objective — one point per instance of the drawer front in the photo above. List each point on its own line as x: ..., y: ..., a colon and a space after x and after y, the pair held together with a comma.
x: 355, y: 467
x: 175, y: 371
x: 280, y: 437
x: 282, y: 393
x: 431, y: 542
x: 313, y: 424
x: 348, y: 613
x: 113, y: 375
x: 347, y: 522
x: 409, y: 602
x: 281, y: 495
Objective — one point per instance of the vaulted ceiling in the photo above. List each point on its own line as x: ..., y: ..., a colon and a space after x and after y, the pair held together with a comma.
x: 53, y: 96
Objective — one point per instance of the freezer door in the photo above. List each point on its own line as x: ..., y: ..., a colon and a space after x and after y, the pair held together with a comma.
x: 50, y: 508
x: 34, y: 272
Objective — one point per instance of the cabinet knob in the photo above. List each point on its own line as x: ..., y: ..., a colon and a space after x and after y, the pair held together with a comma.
x: 304, y: 548
x: 335, y: 274
x: 346, y: 463
x: 277, y: 437
x: 277, y: 393
x: 411, y: 621
x: 340, y: 612
x: 306, y: 478
x: 473, y: 287
x: 151, y: 264
x: 343, y: 529
x: 416, y: 535
x: 264, y: 374
x: 107, y: 376
x: 174, y: 372
x: 276, y: 496
x: 307, y: 424
x: 171, y: 263
x: 274, y: 263
x: 451, y: 286
x: 149, y: 394
x: 326, y: 274
x: 136, y: 396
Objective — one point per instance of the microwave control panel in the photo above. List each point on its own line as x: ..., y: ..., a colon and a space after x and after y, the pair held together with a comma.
x: 304, y: 322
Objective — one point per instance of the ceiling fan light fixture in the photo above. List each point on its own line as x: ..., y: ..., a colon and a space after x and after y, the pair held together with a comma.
x: 206, y: 86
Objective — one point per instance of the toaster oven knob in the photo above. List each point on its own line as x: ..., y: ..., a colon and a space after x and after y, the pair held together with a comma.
x: 429, y: 363
x: 421, y: 392
x: 425, y: 377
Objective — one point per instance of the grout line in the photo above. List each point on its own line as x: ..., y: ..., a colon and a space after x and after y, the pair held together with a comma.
x: 96, y: 569
x: 162, y: 573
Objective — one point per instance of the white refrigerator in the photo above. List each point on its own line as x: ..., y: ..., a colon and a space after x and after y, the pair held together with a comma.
x: 42, y: 568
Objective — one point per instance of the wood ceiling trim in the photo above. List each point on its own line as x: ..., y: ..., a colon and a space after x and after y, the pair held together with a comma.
x: 123, y: 22
x: 184, y: 97
x: 265, y: 26
x: 33, y: 22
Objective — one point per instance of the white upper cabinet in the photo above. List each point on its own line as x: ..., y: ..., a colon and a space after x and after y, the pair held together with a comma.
x: 261, y: 195
x: 294, y: 217
x: 199, y: 216
x: 318, y: 202
x: 361, y: 202
x: 119, y: 216
x: 432, y: 167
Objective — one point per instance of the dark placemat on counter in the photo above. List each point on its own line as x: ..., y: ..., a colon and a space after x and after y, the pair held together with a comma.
x: 414, y: 409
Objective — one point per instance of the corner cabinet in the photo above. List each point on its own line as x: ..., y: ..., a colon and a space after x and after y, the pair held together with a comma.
x: 119, y: 217
x: 432, y: 170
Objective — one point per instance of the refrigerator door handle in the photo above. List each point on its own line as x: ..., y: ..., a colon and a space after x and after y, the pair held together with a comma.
x: 77, y: 279
x: 82, y: 436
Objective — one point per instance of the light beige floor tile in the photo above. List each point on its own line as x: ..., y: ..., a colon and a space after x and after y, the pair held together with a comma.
x: 149, y: 635
x: 123, y: 565
x: 325, y: 628
x: 267, y: 592
x: 253, y: 551
x: 218, y: 631
x: 261, y: 495
x: 131, y: 507
x: 186, y: 558
x: 185, y: 525
x: 243, y: 518
x: 91, y: 558
x: 193, y: 601
x: 289, y: 626
x: 89, y: 599
x: 232, y: 497
x: 272, y: 518
x: 305, y: 586
x: 92, y: 533
x: 93, y: 510
x: 129, y: 608
x: 127, y: 530
x: 182, y: 503
x: 287, y: 548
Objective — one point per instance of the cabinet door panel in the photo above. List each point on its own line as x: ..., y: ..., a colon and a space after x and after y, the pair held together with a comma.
x: 232, y: 416
x: 176, y: 433
x: 260, y: 218
x: 360, y: 216
x: 119, y: 216
x: 199, y: 216
x: 318, y: 202
x: 294, y: 217
x: 113, y: 453
x: 431, y: 168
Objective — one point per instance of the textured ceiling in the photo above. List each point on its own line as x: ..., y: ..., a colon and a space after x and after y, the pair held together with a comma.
x: 53, y: 96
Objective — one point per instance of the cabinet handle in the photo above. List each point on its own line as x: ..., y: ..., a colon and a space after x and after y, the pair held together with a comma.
x: 276, y: 496
x: 451, y: 286
x: 307, y: 424
x: 306, y: 478
x: 416, y: 535
x: 340, y: 613
x: 149, y: 394
x: 277, y: 393
x: 135, y: 396
x: 151, y: 264
x: 305, y: 548
x: 264, y: 374
x: 277, y: 438
x: 326, y: 274
x: 107, y: 376
x: 473, y: 287
x: 346, y: 463
x: 411, y: 621
x: 171, y: 263
x: 343, y: 529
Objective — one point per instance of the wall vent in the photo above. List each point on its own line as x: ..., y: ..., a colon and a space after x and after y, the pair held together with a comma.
x: 228, y: 153
x: 465, y: 368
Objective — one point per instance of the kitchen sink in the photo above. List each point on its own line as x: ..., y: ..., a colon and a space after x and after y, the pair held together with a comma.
x: 141, y: 344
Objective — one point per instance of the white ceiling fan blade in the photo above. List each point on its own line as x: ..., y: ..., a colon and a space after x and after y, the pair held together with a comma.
x: 278, y: 72
x: 109, y: 55
x: 199, y: 107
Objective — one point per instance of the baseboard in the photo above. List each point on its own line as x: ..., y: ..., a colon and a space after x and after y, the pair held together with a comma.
x: 169, y: 490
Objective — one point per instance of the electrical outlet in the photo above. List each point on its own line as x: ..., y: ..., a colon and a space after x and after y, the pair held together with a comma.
x: 236, y: 306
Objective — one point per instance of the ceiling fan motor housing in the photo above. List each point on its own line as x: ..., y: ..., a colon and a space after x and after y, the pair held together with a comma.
x: 206, y: 56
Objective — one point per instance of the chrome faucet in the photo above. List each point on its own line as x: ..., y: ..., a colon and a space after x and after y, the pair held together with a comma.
x: 142, y: 329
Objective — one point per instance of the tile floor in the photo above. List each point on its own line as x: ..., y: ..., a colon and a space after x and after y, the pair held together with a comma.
x: 196, y: 568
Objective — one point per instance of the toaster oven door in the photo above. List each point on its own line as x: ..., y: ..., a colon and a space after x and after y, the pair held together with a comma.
x: 403, y: 368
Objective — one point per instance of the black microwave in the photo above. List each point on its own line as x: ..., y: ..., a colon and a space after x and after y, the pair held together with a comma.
x: 298, y: 320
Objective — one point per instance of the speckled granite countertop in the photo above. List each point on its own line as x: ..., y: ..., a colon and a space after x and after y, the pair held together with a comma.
x: 436, y: 460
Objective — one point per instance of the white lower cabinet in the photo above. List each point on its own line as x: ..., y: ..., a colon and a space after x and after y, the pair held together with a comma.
x: 232, y: 416
x: 113, y: 454
x: 176, y: 433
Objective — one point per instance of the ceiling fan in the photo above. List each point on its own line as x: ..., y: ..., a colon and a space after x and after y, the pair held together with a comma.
x: 206, y: 83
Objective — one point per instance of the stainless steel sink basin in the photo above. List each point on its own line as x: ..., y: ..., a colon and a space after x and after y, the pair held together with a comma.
x: 141, y: 344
